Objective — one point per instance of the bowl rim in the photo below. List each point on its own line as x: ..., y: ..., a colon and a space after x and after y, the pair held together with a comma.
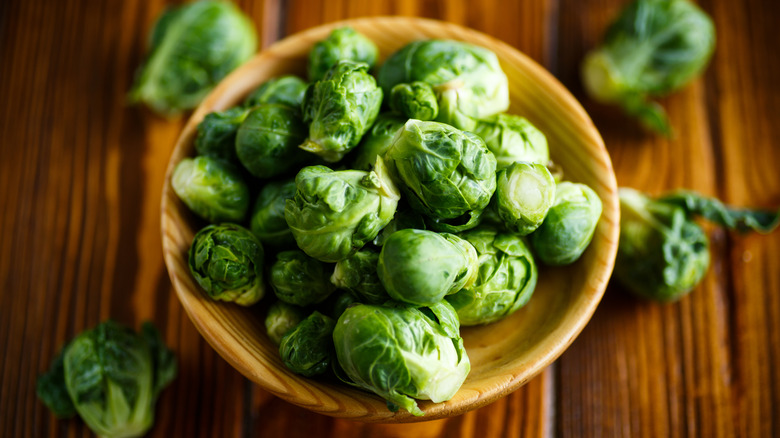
x: 563, y: 334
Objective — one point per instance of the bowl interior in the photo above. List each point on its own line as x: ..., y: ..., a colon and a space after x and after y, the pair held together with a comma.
x: 503, y: 355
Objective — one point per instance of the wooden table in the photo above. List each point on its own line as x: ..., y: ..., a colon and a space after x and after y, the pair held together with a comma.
x: 80, y: 180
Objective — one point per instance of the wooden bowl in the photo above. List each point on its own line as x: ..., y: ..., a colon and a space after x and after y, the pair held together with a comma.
x: 504, y: 355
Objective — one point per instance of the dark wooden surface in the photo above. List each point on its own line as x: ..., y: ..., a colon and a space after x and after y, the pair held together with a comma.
x: 80, y: 180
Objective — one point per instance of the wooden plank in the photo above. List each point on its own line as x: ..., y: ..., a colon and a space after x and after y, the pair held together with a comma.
x: 745, y: 97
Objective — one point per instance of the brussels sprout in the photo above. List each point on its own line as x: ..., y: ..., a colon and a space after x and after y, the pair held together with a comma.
x: 333, y: 214
x: 192, y: 48
x: 652, y: 49
x: 415, y: 101
x: 377, y: 140
x: 401, y: 352
x: 343, y: 43
x: 267, y: 221
x: 299, y: 279
x: 337, y: 303
x: 467, y: 79
x: 339, y: 109
x: 111, y: 376
x: 524, y: 194
x: 280, y: 319
x: 285, y: 90
x: 421, y: 267
x: 212, y: 189
x: 308, y: 349
x: 663, y: 254
x: 217, y: 133
x: 505, y: 281
x: 267, y: 142
x: 512, y: 138
x: 569, y: 225
x: 357, y: 274
x: 445, y: 172
x: 403, y: 219
x: 227, y: 262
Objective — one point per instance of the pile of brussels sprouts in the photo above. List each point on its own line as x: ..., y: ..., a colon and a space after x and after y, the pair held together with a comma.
x: 384, y: 211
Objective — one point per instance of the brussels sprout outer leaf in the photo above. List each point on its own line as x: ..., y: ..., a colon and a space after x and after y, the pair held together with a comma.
x: 343, y: 43
x: 287, y: 90
x: 401, y: 353
x: 227, y: 262
x: 53, y: 392
x: 267, y: 142
x: 466, y: 222
x: 308, y: 348
x: 339, y: 109
x: 333, y: 214
x: 662, y: 253
x: 299, y: 279
x: 211, y: 189
x: 163, y: 359
x: 110, y: 378
x: 742, y: 220
x: 192, y: 48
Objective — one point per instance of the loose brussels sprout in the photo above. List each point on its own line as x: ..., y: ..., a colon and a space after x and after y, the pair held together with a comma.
x: 280, y: 319
x: 421, y: 267
x: 357, y: 274
x: 446, y: 172
x: 404, y: 218
x: 267, y: 221
x: 512, y: 138
x: 267, y: 142
x: 569, y: 225
x: 286, y: 90
x: 333, y: 214
x: 191, y: 49
x: 339, y: 109
x: 308, y: 349
x: 227, y: 262
x: 524, y: 194
x: 217, y: 133
x: 377, y: 140
x: 111, y: 376
x: 343, y: 43
x: 415, y: 101
x: 401, y: 352
x: 467, y: 79
x: 299, y: 279
x: 505, y: 281
x: 653, y: 48
x: 663, y: 254
x: 212, y: 189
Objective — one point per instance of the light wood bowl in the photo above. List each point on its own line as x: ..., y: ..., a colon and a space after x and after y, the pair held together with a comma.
x: 504, y: 355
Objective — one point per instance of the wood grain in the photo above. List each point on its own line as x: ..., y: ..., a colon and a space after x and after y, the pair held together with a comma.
x: 79, y: 193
